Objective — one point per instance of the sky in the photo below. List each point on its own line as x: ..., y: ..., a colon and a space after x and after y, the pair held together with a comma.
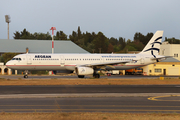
x: 114, y: 18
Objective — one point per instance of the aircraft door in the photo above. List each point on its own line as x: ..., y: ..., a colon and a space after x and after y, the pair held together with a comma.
x: 62, y: 61
x: 142, y: 60
x: 102, y: 60
x: 29, y: 62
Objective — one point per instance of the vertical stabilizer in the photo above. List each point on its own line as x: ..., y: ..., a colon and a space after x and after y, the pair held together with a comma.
x: 153, y: 45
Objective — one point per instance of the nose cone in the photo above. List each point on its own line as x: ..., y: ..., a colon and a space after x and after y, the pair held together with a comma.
x: 9, y: 64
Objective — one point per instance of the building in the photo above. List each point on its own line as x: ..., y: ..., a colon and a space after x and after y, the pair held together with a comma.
x: 39, y: 46
x: 170, y: 50
x: 170, y: 66
x: 36, y: 46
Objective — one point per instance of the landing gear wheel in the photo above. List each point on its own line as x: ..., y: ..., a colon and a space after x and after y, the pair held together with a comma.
x: 25, y: 76
x: 80, y: 76
x: 96, y: 75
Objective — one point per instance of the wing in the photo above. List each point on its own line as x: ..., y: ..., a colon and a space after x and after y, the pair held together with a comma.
x: 106, y: 63
x: 110, y: 64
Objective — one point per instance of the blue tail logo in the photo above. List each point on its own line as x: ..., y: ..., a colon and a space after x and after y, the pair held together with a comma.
x: 153, y: 48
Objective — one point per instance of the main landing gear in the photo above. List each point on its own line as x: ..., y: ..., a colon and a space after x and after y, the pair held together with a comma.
x: 80, y: 76
x: 96, y: 75
x: 26, y: 74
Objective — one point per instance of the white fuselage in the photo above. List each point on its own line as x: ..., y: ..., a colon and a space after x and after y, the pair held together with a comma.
x: 70, y: 61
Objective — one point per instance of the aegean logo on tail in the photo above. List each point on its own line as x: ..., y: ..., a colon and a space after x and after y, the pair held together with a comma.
x: 152, y: 47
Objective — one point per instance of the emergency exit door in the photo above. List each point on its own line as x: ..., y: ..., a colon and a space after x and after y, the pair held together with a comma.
x: 28, y: 60
x: 62, y: 60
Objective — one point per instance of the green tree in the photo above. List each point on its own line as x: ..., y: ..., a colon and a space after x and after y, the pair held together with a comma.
x: 88, y: 38
x: 95, y: 42
x: 48, y: 36
x: 172, y: 40
x: 122, y: 42
x: 17, y: 35
x: 25, y: 34
x: 62, y: 36
x: 8, y: 56
x: 110, y: 48
x: 36, y: 36
x: 100, y: 43
x: 113, y: 41
x: 129, y: 48
x: 79, y: 33
x: 57, y: 37
x: 138, y: 37
x: 73, y: 37
x: 117, y: 48
x: 148, y: 37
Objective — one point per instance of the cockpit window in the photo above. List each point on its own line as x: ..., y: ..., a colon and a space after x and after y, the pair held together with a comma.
x: 16, y: 58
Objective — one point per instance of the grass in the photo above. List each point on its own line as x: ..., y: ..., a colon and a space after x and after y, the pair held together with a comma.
x: 89, y: 81
x: 88, y: 116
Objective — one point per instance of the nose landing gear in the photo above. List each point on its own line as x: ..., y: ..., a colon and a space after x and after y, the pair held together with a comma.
x: 26, y: 74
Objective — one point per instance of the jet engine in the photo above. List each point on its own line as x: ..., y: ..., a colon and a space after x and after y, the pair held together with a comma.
x: 84, y: 70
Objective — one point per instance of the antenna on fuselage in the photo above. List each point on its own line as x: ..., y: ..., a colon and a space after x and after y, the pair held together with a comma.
x: 27, y: 50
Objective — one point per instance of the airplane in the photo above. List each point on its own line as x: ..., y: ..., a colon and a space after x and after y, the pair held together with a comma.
x: 89, y: 64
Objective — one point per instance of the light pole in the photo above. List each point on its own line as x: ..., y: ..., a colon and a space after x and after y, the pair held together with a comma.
x: 7, y: 18
x: 53, y: 28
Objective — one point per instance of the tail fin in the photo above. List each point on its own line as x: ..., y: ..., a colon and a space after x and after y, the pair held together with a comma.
x: 153, y: 45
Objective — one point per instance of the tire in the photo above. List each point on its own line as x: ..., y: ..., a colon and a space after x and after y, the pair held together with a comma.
x: 80, y: 76
x: 96, y: 76
x: 25, y: 76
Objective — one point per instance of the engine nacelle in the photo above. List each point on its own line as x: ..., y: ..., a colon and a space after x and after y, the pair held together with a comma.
x: 84, y: 70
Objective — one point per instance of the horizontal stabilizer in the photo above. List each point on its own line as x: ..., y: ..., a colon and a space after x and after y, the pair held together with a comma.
x: 163, y: 57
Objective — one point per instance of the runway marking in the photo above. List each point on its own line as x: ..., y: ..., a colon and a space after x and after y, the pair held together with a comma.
x: 157, y: 98
x: 94, y: 110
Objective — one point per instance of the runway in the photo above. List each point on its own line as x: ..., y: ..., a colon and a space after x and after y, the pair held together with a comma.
x: 59, y: 89
x: 88, y: 98
x: 103, y: 104
x: 30, y: 77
